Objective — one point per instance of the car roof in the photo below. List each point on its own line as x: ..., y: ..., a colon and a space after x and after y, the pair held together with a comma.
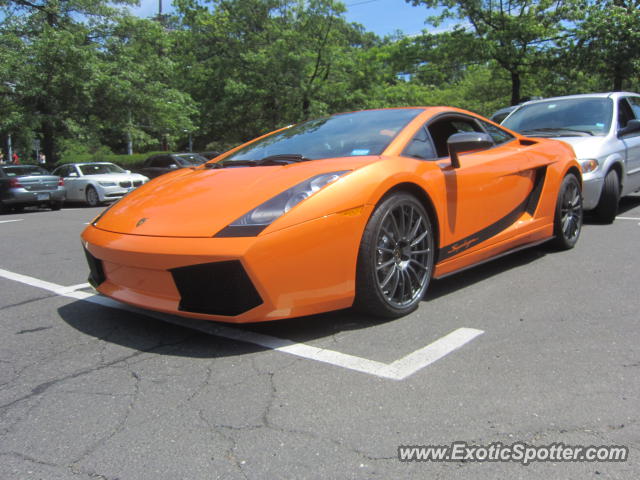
x: 584, y: 95
x: 90, y: 163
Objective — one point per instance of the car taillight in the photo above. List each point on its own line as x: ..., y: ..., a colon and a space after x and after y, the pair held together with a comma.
x: 15, y: 183
x: 61, y: 182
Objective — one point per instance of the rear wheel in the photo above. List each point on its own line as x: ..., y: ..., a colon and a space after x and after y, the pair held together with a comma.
x: 3, y: 208
x: 607, y: 208
x: 92, y: 196
x: 395, y: 260
x: 55, y: 205
x: 568, y: 217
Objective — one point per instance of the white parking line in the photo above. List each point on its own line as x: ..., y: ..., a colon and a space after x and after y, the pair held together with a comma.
x: 627, y: 218
x: 9, y: 221
x: 397, y: 370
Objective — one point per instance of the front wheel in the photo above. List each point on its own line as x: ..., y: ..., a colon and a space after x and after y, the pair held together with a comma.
x: 607, y: 208
x: 92, y: 196
x: 568, y: 217
x: 395, y: 261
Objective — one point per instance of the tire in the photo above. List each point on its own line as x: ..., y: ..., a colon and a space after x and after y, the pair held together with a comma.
x: 91, y: 195
x: 395, y: 260
x: 55, y: 206
x: 567, y: 223
x: 607, y: 208
x: 18, y: 208
x: 4, y: 208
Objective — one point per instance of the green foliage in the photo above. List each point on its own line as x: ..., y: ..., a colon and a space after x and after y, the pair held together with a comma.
x: 88, y: 80
x: 607, y: 40
x: 125, y: 161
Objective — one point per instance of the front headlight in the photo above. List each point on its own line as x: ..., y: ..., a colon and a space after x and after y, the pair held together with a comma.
x: 589, y: 165
x: 253, y: 222
x: 107, y: 184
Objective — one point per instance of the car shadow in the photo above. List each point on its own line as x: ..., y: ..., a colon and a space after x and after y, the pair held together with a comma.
x: 198, y: 338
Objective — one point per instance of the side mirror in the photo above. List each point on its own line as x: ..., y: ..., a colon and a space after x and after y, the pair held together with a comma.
x: 633, y: 126
x: 173, y: 166
x: 128, y: 171
x: 467, y: 142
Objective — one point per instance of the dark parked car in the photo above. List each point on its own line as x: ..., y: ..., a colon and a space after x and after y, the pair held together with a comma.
x: 157, y: 165
x: 210, y: 155
x: 22, y: 185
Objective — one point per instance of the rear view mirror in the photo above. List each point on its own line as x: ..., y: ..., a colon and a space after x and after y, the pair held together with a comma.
x: 467, y: 142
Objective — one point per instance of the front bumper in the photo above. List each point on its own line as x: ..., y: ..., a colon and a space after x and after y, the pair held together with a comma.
x: 302, y: 270
x: 21, y: 196
x: 113, y: 193
x: 591, y: 189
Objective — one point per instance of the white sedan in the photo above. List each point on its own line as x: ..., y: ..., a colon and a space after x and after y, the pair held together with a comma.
x: 97, y: 182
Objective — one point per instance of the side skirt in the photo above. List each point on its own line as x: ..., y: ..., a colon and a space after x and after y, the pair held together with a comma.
x: 495, y: 257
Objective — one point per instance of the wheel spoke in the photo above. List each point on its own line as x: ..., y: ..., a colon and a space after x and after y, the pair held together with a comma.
x: 388, y: 277
x: 420, y: 238
x: 418, y: 264
x: 394, y: 225
x: 385, y: 264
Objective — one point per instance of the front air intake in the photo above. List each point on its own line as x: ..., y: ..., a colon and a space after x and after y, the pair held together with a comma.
x: 96, y: 275
x: 220, y: 288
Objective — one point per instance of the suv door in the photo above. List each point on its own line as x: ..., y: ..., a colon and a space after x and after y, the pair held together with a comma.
x: 631, y: 107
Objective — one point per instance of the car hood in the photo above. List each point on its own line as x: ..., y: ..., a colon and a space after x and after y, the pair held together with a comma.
x: 585, y: 147
x: 202, y: 201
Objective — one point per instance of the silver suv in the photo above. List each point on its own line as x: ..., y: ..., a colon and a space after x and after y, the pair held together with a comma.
x: 604, y: 131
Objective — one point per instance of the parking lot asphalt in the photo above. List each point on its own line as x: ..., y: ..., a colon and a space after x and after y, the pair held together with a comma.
x: 539, y: 347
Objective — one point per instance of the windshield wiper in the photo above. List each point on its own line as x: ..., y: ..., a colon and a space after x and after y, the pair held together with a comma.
x: 283, y: 159
x: 556, y: 129
x: 280, y: 159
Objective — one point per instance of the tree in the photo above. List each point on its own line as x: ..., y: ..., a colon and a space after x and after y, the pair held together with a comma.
x: 607, y: 41
x: 58, y: 54
x: 514, y: 33
x: 255, y: 65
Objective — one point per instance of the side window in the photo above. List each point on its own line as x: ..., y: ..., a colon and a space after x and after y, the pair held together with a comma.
x: 420, y: 146
x: 499, y: 136
x: 635, y: 105
x: 156, y: 162
x: 624, y: 113
x: 442, y: 129
x: 63, y: 171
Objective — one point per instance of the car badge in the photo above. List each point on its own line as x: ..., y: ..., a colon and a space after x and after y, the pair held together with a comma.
x: 140, y: 222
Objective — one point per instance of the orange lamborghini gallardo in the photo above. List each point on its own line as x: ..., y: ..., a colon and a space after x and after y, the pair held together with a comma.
x: 357, y: 209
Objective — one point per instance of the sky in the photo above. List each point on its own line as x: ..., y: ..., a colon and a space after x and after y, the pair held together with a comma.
x: 383, y: 17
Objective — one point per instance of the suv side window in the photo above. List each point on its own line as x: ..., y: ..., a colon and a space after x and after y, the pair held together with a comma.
x: 443, y: 128
x: 624, y: 113
x: 420, y: 146
x: 635, y: 105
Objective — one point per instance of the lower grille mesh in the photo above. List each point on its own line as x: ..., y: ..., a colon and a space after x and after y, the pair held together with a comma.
x: 220, y: 288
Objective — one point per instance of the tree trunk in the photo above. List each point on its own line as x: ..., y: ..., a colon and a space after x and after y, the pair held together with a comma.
x: 617, y: 78
x: 515, y: 88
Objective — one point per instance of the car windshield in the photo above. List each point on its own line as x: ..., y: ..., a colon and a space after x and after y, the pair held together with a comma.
x: 188, y: 159
x: 23, y: 171
x: 343, y: 135
x: 99, y: 168
x: 566, y: 117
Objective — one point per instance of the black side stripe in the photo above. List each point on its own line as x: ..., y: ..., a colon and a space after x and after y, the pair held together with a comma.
x: 529, y: 205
